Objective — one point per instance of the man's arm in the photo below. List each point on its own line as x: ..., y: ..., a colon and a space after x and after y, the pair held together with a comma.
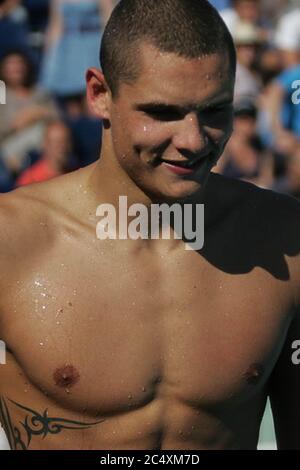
x: 285, y: 390
x: 285, y: 140
x: 55, y: 25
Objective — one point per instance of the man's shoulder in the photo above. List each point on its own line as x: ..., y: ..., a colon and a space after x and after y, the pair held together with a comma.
x: 47, y: 204
x: 20, y: 211
x: 27, y: 210
x: 23, y: 203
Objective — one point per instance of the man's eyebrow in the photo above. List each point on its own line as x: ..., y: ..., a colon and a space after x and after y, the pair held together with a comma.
x: 161, y: 106
x: 157, y: 106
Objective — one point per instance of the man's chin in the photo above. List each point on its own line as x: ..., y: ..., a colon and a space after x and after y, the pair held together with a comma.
x: 179, y: 190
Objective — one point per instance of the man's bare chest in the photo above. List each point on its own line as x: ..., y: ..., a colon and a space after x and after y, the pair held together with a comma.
x: 124, y: 331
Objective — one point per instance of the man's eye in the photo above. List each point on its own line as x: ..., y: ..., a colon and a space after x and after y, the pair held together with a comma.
x: 164, y: 115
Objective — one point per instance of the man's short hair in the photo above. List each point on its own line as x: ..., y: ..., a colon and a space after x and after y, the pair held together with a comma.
x: 188, y: 28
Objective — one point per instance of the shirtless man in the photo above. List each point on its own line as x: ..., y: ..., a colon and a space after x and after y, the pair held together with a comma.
x: 141, y: 344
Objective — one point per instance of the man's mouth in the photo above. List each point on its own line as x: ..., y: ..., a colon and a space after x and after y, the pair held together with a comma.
x: 185, y: 166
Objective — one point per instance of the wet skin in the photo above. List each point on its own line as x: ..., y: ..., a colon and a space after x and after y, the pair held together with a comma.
x: 141, y: 344
x: 165, y: 348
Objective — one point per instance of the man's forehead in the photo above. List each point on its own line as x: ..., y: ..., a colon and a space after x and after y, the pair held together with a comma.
x: 188, y: 86
x: 152, y: 59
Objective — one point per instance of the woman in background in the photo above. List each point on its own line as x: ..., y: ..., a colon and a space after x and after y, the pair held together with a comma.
x: 72, y: 43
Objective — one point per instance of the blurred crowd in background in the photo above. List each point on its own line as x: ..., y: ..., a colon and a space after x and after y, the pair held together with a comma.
x: 46, y: 128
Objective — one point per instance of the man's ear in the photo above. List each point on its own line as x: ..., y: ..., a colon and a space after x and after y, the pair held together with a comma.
x: 98, y: 94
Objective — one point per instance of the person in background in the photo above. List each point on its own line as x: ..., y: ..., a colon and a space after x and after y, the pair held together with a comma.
x: 245, y: 157
x: 290, y: 182
x: 27, y: 110
x: 283, y: 109
x: 13, y: 26
x: 56, y: 158
x: 272, y: 10
x: 72, y: 43
x: 38, y: 17
x: 249, y: 11
x: 85, y: 129
x: 248, y: 41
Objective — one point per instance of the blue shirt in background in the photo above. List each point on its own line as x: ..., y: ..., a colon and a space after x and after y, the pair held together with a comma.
x: 290, y: 114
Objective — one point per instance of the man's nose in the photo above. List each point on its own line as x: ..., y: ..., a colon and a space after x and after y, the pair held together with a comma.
x: 190, y: 134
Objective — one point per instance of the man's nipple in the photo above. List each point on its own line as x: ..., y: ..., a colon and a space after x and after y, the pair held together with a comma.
x: 66, y: 376
x: 254, y: 374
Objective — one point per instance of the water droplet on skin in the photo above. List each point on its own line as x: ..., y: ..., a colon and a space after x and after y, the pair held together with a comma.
x: 59, y: 312
x: 143, y: 389
x: 130, y: 396
x: 41, y: 344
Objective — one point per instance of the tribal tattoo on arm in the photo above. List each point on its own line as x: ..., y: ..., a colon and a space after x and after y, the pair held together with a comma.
x: 34, y: 424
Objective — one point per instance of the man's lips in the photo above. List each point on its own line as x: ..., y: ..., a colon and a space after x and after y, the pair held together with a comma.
x: 184, y: 167
x: 179, y: 170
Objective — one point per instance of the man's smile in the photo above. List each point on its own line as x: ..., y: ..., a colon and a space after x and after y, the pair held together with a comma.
x: 186, y: 167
